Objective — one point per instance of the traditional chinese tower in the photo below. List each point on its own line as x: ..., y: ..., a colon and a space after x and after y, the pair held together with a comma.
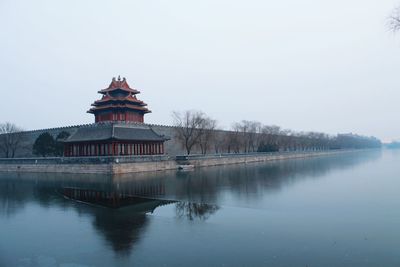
x: 119, y: 103
x: 116, y: 136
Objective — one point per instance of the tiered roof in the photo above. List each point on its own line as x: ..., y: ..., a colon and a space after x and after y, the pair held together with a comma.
x: 119, y: 95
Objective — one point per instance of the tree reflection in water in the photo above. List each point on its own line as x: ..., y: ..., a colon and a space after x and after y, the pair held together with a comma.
x: 193, y: 211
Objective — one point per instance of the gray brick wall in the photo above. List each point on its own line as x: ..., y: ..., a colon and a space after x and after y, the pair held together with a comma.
x: 172, y: 147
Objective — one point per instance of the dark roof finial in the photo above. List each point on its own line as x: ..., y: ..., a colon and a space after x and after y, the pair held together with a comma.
x: 119, y: 78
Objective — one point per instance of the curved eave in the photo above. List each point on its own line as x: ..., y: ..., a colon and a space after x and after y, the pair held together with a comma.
x: 98, y: 109
x: 122, y: 100
x: 130, y: 90
x: 116, y: 139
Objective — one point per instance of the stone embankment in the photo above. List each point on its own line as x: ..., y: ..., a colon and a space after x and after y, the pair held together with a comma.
x: 226, y: 159
x: 135, y: 164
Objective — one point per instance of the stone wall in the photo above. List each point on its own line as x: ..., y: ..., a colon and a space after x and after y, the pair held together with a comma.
x: 25, y: 149
x: 56, y: 168
x: 172, y: 147
x: 203, y: 161
x: 106, y: 168
x: 119, y: 165
x: 144, y: 167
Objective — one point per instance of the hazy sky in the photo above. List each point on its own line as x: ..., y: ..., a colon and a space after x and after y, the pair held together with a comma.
x: 311, y: 65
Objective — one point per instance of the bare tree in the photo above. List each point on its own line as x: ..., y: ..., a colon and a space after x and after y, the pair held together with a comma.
x: 394, y: 20
x: 219, y: 140
x: 189, y: 127
x: 207, y: 134
x: 269, y: 138
x: 249, y: 134
x: 10, y: 139
x: 236, y: 138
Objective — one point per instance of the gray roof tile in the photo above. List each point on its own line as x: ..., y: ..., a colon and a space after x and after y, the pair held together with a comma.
x: 115, y: 131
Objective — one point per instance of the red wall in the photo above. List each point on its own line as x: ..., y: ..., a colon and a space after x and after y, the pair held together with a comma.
x: 119, y: 116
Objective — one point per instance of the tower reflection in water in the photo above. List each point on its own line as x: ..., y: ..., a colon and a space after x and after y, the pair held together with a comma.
x: 120, y: 218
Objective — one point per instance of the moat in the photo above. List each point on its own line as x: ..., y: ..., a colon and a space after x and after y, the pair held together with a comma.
x: 337, y: 210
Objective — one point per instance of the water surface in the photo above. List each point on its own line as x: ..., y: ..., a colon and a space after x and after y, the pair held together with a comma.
x: 339, y: 210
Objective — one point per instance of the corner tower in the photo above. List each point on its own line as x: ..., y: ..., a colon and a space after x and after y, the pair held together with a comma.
x: 119, y: 103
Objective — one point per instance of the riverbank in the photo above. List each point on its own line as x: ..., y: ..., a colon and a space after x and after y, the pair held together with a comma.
x: 136, y: 164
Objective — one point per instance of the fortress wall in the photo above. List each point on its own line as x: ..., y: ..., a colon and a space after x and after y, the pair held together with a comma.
x: 256, y: 157
x: 143, y: 167
x: 29, y: 138
x: 172, y: 147
x: 123, y: 165
x: 56, y: 168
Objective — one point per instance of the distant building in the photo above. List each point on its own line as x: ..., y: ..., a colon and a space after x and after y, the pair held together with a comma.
x: 119, y: 128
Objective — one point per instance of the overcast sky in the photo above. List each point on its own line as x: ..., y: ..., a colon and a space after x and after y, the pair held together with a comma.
x: 311, y: 65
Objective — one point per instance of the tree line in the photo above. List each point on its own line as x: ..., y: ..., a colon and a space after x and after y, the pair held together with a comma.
x: 196, y: 131
x: 12, y: 140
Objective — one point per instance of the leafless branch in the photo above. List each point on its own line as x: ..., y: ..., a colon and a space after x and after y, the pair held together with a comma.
x: 394, y: 20
x: 10, y: 139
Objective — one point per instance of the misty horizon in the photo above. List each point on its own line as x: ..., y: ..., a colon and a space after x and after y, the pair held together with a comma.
x: 324, y: 68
